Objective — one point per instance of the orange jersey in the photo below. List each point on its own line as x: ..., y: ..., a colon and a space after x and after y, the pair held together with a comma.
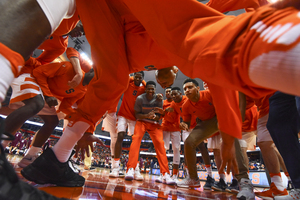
x: 29, y: 65
x: 53, y: 79
x: 263, y: 105
x: 178, y: 109
x: 171, y: 120
x: 127, y: 107
x: 251, y: 116
x: 203, y: 109
x: 57, y: 43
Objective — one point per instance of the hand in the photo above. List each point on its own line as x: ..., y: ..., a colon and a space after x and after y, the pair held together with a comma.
x: 160, y: 97
x: 184, y: 126
x: 169, y: 109
x: 83, y: 144
x: 75, y: 81
x: 228, y: 154
x: 51, y: 101
x: 151, y: 115
x: 159, y: 110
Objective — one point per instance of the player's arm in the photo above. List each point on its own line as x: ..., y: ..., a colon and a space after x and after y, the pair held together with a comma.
x: 138, y: 111
x: 74, y: 56
x: 66, y: 105
x: 186, y: 117
x: 42, y: 73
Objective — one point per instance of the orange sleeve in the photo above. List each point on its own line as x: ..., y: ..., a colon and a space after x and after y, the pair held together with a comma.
x: 232, y: 5
x: 85, y: 65
x: 53, y: 47
x: 71, y: 52
x: 66, y: 104
x: 226, y: 104
x: 186, y: 116
x: 44, y: 72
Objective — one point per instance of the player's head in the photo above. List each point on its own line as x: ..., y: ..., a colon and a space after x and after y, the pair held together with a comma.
x: 191, y: 88
x: 150, y: 89
x: 166, y: 77
x: 168, y: 93
x: 88, y: 77
x: 138, y: 77
x: 176, y: 94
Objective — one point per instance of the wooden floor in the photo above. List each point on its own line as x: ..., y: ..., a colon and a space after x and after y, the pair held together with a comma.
x: 99, y: 186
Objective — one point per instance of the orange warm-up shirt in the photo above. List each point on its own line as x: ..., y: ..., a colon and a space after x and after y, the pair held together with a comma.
x: 263, y: 105
x: 127, y: 107
x: 178, y: 109
x: 194, y: 41
x: 203, y: 109
x: 251, y: 116
x: 53, y: 79
x: 171, y: 120
x: 57, y: 43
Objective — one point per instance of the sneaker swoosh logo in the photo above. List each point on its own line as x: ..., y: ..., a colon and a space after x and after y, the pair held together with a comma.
x: 28, y: 159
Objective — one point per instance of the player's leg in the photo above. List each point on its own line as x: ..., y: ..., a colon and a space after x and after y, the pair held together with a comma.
x: 201, y: 132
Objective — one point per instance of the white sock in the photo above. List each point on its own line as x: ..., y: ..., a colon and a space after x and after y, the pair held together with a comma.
x: 116, y: 163
x: 209, y: 170
x: 278, y: 182
x: 67, y: 141
x: 33, y: 151
x: 222, y: 176
x: 6, y: 77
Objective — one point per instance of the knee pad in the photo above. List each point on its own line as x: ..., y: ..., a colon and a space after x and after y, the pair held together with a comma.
x: 54, y: 13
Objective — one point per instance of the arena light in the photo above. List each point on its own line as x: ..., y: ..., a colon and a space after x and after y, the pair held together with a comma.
x: 272, y: 1
x: 85, y: 57
x: 35, y: 123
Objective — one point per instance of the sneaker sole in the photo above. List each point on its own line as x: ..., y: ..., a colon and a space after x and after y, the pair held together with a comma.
x: 217, y: 189
x: 128, y: 178
x: 207, y: 188
x: 29, y: 170
x: 113, y: 176
x: 22, y: 165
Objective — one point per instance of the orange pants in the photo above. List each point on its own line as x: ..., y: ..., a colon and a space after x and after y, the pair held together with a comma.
x: 156, y: 135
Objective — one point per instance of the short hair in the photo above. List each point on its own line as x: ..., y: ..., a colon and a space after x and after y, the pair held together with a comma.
x: 151, y: 83
x: 188, y: 80
x: 176, y: 88
x: 168, y: 88
x: 141, y: 72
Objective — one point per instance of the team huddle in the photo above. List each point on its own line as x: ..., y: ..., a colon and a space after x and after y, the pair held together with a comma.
x: 249, y: 63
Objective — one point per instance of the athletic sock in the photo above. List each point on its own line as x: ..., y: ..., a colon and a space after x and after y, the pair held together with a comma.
x: 276, y: 179
x: 69, y: 138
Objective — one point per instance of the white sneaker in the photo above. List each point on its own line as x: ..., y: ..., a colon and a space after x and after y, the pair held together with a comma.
x: 159, y: 179
x: 246, y: 190
x: 168, y: 180
x: 188, y: 182
x: 137, y: 174
x: 175, y: 178
x: 129, y: 175
x: 27, y: 160
x: 114, y: 172
x: 293, y: 194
